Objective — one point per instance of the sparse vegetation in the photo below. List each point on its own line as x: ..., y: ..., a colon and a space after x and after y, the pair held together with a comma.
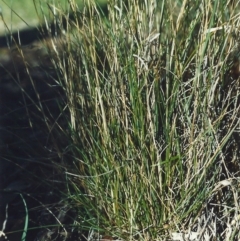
x: 151, y: 121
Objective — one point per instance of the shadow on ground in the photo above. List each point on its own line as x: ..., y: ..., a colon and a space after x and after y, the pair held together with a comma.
x: 33, y: 144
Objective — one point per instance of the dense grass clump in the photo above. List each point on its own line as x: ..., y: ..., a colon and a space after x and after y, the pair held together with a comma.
x: 155, y: 129
x: 152, y: 93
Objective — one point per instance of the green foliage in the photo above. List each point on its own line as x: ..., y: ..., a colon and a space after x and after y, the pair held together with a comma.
x: 153, y: 101
x: 151, y: 142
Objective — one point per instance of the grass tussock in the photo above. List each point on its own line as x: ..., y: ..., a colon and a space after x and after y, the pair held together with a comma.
x: 154, y: 109
x: 152, y: 92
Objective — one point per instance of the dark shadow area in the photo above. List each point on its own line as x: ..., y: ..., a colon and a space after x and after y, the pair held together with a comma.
x: 34, y: 146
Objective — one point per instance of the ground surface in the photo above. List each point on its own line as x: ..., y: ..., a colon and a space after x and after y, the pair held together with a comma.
x: 26, y: 83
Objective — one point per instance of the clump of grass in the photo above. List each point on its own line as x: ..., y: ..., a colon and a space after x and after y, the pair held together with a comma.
x: 153, y: 106
x: 152, y: 97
